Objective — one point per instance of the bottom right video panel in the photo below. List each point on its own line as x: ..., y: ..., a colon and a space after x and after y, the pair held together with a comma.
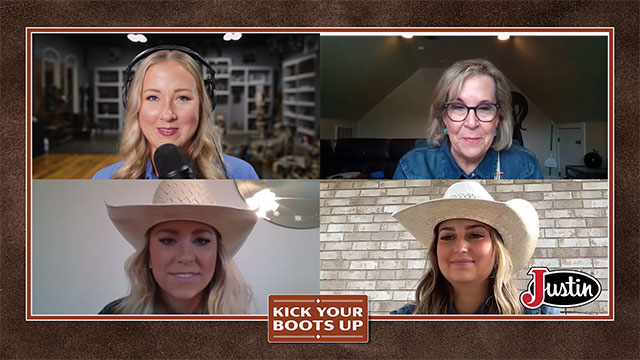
x: 452, y: 247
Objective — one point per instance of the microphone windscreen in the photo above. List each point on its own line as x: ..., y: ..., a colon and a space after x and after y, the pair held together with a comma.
x: 171, y: 163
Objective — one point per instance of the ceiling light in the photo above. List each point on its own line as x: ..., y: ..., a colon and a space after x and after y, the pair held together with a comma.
x: 503, y: 37
x: 407, y: 36
x: 232, y: 36
x: 263, y: 201
x: 137, y: 38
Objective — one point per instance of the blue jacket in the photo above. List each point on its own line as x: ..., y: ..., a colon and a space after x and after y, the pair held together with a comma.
x: 408, y: 309
x: 236, y: 169
x: 431, y: 162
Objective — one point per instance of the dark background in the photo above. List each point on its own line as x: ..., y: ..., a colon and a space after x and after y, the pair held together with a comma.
x: 487, y: 339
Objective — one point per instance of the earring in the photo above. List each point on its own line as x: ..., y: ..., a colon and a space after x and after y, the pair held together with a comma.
x: 496, y: 133
x: 150, y: 264
x: 445, y: 130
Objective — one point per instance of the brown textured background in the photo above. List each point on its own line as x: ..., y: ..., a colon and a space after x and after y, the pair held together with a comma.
x: 21, y: 339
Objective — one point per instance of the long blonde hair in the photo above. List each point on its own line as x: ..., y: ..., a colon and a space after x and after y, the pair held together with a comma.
x: 452, y: 80
x: 227, y: 293
x: 204, y: 151
x: 434, y: 294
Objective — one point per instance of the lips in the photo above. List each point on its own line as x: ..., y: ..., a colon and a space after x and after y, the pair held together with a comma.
x: 184, y: 275
x: 471, y: 140
x: 462, y: 262
x: 167, y: 131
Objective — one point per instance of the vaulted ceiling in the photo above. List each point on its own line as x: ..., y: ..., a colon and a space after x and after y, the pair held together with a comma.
x: 565, y: 76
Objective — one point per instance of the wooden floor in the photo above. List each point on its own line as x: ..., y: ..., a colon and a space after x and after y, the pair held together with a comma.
x: 70, y: 166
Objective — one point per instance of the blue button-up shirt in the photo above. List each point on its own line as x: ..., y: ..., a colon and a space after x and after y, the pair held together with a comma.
x: 431, y: 162
x: 409, y: 309
x: 236, y: 169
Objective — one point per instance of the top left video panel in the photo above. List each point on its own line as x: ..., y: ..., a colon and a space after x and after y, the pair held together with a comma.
x: 235, y: 105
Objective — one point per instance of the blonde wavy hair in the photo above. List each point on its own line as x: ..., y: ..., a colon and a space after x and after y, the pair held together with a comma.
x: 448, y: 89
x: 227, y: 293
x: 204, y: 150
x: 434, y: 294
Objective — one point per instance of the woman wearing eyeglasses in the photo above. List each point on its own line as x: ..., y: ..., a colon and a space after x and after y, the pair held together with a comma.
x: 469, y: 130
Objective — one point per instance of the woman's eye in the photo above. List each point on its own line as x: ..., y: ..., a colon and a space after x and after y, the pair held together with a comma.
x: 167, y: 241
x: 183, y: 98
x: 152, y: 98
x: 446, y: 237
x: 201, y: 241
x: 459, y: 107
x: 476, y: 235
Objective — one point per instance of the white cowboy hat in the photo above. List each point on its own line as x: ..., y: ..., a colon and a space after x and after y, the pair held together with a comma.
x: 183, y: 200
x: 515, y: 220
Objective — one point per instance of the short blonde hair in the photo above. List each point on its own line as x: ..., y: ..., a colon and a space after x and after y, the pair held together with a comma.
x: 434, y: 294
x: 450, y: 85
x: 204, y: 147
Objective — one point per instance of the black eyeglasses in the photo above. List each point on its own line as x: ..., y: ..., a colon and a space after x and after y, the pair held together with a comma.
x: 484, y: 112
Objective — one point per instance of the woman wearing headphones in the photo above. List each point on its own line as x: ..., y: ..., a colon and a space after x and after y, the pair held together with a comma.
x: 169, y: 102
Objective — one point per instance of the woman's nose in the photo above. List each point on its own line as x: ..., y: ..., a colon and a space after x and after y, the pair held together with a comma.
x: 461, y: 246
x: 185, y: 255
x: 471, y: 120
x: 168, y: 114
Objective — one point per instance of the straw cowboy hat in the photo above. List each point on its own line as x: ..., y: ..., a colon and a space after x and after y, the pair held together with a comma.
x: 515, y: 220
x: 183, y: 200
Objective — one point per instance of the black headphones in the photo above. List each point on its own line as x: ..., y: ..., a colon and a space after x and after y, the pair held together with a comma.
x: 209, y: 79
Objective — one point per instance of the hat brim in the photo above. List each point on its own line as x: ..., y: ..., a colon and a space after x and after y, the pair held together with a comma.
x: 515, y: 220
x: 134, y: 221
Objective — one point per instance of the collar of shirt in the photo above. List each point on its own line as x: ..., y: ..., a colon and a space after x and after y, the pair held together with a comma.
x: 485, y: 170
x: 149, y: 173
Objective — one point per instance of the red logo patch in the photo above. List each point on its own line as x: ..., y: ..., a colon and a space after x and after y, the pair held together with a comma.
x: 318, y: 318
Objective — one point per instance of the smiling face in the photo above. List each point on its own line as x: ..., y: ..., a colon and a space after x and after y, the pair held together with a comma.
x: 465, y: 251
x: 183, y: 257
x: 470, y: 139
x: 169, y: 109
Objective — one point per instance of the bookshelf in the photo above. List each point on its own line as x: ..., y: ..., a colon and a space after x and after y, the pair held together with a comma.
x: 300, y: 103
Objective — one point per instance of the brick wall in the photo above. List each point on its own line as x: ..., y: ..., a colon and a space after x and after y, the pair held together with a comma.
x: 365, y: 250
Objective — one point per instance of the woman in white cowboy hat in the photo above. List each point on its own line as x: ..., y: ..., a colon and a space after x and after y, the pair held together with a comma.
x: 184, y: 244
x: 475, y: 245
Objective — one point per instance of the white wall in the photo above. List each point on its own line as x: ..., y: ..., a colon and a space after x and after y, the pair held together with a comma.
x: 78, y: 255
x: 402, y: 113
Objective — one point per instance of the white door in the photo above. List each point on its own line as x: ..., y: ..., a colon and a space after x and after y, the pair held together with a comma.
x: 571, y: 146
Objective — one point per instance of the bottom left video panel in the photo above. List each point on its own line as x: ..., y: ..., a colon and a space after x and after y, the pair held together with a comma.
x: 170, y: 247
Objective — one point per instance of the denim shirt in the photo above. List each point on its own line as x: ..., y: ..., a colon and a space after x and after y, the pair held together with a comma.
x: 408, y: 309
x: 436, y: 162
x: 236, y: 169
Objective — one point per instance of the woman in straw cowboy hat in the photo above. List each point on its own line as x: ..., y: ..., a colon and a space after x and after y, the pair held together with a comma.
x: 475, y: 245
x: 184, y: 244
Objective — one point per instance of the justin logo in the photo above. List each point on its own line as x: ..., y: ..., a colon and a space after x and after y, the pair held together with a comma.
x: 559, y: 288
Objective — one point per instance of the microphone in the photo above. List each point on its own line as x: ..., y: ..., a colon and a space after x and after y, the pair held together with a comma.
x: 171, y: 163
